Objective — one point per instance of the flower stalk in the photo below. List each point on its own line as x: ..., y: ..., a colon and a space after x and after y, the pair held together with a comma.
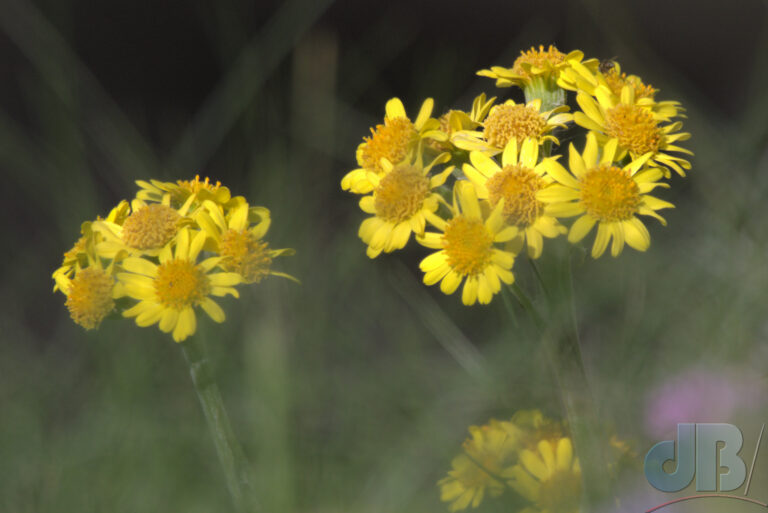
x: 237, y: 471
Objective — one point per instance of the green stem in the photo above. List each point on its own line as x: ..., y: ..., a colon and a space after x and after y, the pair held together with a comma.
x: 236, y: 468
x: 560, y: 336
x: 589, y: 437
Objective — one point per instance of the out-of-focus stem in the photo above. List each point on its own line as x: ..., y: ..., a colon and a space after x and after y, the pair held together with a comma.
x: 236, y: 468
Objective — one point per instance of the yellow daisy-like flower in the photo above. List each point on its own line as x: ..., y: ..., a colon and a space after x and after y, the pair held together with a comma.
x: 549, y: 477
x: 581, y: 78
x: 145, y: 231
x: 393, y: 141
x: 400, y: 202
x: 491, y: 449
x: 90, y: 289
x: 517, y: 181
x: 531, y: 65
x: 604, y: 194
x: 467, y: 249
x: 237, y: 238
x: 168, y: 293
x: 512, y: 121
x: 636, y: 126
x: 178, y: 193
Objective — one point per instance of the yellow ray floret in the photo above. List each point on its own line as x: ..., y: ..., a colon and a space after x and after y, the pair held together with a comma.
x: 517, y: 182
x: 601, y: 193
x: 467, y: 249
x: 178, y: 193
x: 169, y: 292
x: 394, y: 141
x: 400, y: 202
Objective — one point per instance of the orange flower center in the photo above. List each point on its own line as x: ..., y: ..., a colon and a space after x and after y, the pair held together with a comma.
x: 543, y: 59
x: 150, y: 227
x: 468, y: 245
x: 181, y: 283
x: 195, y: 186
x: 634, y: 127
x: 89, y: 298
x: 517, y: 186
x: 507, y: 122
x: 609, y: 193
x: 392, y: 140
x: 616, y: 83
x: 400, y: 193
x: 245, y: 254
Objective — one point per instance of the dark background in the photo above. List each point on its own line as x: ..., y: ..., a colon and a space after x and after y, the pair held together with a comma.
x: 341, y: 389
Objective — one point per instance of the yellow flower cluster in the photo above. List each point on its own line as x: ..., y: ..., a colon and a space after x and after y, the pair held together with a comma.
x: 529, y: 455
x: 171, y: 250
x: 491, y: 182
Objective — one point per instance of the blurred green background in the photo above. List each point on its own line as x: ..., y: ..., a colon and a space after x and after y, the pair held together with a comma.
x: 353, y: 391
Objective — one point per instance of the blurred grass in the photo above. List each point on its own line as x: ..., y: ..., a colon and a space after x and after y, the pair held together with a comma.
x: 353, y: 391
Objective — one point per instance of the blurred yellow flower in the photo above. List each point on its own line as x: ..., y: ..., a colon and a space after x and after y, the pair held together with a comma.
x: 393, y: 141
x: 489, y: 451
x: 168, y: 293
x: 400, y: 202
x: 467, y: 249
x: 548, y: 476
x: 517, y: 181
x: 636, y: 126
x: 455, y: 121
x: 604, y: 194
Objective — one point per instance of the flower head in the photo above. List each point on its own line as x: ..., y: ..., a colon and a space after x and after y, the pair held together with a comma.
x: 467, y: 249
x: 490, y: 450
x: 238, y: 238
x: 178, y: 193
x: 604, y: 194
x: 513, y: 121
x: 517, y: 182
x: 542, y: 64
x: 394, y: 140
x: 638, y: 127
x: 168, y: 292
x: 399, y: 204
x: 549, y: 476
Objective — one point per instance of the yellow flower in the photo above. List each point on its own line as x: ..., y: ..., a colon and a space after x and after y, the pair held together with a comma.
x: 78, y: 256
x: 90, y: 289
x: 549, y: 477
x: 491, y: 449
x: 394, y: 141
x: 534, y: 65
x: 511, y: 121
x: 176, y: 194
x: 467, y: 249
x: 168, y: 293
x: 636, y: 126
x: 400, y: 202
x: 578, y: 77
x: 517, y: 181
x: 604, y: 194
x: 145, y: 231
x: 237, y: 238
